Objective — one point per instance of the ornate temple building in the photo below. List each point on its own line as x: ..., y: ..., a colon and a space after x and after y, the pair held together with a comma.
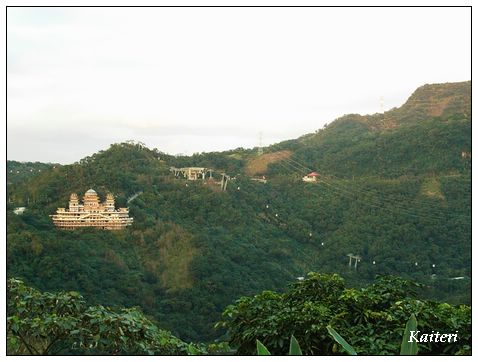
x: 92, y: 213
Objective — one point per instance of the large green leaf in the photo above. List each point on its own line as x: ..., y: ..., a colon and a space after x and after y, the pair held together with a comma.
x: 409, y: 348
x: 294, y: 348
x: 341, y: 341
x: 261, y: 349
x: 193, y: 351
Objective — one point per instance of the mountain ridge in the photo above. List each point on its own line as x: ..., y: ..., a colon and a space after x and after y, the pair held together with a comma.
x: 395, y: 196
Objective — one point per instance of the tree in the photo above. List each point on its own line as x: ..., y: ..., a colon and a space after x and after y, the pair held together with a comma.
x: 370, y: 319
x: 61, y: 323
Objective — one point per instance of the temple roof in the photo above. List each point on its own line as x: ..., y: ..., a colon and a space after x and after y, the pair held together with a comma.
x: 90, y: 192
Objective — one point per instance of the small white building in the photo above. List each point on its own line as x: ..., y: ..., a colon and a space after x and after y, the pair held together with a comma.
x: 19, y: 210
x: 311, y: 177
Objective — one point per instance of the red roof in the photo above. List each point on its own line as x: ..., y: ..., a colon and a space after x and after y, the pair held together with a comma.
x: 313, y: 174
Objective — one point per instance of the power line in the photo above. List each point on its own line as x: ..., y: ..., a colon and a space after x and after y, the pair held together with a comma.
x: 275, y: 215
x: 299, y: 167
x: 342, y: 191
x: 373, y: 193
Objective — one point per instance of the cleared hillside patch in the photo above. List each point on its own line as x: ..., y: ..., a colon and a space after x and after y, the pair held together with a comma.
x: 431, y: 188
x: 169, y: 256
x: 258, y: 165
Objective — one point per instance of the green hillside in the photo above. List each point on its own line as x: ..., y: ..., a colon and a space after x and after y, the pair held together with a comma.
x: 21, y: 171
x: 426, y: 135
x: 394, y: 189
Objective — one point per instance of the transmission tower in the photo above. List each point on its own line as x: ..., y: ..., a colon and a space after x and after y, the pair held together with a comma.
x: 260, y: 151
x: 382, y: 111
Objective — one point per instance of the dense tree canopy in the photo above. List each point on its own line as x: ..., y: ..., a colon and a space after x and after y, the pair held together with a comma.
x: 371, y: 319
x: 61, y: 323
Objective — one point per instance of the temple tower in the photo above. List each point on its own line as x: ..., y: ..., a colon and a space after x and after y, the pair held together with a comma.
x: 73, y: 206
x: 91, y: 200
x: 110, y: 202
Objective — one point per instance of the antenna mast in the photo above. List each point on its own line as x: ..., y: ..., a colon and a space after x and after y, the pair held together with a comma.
x: 260, y: 151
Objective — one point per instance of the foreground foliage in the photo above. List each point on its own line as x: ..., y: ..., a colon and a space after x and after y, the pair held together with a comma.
x: 319, y: 314
x: 370, y: 319
x: 408, y: 348
x: 294, y: 348
x: 61, y: 323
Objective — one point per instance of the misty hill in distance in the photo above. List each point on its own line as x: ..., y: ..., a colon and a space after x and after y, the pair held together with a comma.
x: 394, y: 188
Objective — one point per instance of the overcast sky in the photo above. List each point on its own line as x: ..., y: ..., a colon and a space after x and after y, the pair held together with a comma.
x: 188, y: 80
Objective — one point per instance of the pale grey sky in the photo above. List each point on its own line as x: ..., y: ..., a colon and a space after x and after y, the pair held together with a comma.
x: 188, y: 80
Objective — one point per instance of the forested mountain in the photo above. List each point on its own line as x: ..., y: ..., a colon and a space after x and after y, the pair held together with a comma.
x: 20, y: 171
x: 394, y: 189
